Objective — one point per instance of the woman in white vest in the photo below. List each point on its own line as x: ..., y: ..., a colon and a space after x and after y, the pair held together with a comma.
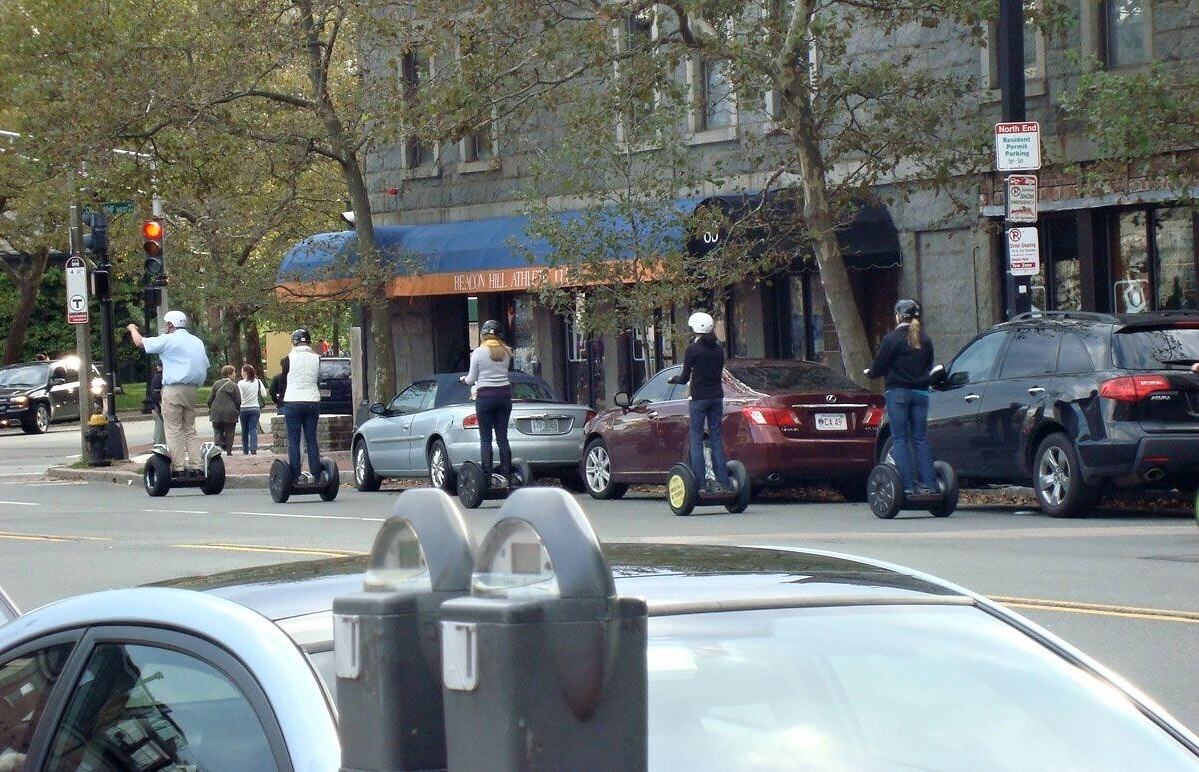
x: 302, y: 404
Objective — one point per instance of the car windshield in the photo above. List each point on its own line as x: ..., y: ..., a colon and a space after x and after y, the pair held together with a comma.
x: 1156, y: 348
x: 879, y: 688
x: 335, y: 368
x: 883, y: 688
x: 24, y: 375
x: 786, y: 376
x: 457, y: 393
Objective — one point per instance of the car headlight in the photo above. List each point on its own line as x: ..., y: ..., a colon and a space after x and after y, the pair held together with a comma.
x: 20, y: 400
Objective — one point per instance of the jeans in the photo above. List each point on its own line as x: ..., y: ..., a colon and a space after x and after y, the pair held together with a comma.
x: 710, y: 412
x: 493, y: 413
x: 907, y: 410
x: 302, y: 416
x: 249, y: 430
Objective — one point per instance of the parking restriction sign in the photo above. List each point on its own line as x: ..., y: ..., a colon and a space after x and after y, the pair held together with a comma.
x: 1023, y: 252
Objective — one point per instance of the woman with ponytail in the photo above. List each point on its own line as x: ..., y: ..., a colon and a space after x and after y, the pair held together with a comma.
x: 904, y: 360
x: 493, y: 396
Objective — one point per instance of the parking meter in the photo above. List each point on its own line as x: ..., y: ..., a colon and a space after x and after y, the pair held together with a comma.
x: 544, y: 667
x: 385, y: 638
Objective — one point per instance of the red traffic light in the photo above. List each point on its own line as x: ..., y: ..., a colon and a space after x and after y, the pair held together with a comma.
x: 152, y: 232
x: 152, y: 229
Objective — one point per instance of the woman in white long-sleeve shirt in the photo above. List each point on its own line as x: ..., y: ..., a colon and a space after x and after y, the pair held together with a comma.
x: 252, y: 395
x: 493, y: 395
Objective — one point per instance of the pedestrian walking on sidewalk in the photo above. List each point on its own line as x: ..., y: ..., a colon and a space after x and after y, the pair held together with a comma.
x: 253, y: 397
x: 184, y: 368
x: 224, y: 407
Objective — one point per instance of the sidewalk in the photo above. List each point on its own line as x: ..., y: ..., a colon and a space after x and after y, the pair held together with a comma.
x: 240, y: 471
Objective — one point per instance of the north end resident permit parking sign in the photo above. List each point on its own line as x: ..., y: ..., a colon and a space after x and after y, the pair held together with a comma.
x: 1018, y: 146
x: 76, y: 291
x: 1023, y: 251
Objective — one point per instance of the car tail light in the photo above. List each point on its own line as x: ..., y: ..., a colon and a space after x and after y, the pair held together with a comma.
x: 470, y: 422
x: 874, y: 416
x: 1133, y: 388
x: 769, y: 416
x: 590, y: 415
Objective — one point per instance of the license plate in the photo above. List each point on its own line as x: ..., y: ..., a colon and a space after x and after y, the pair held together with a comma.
x: 544, y: 425
x: 831, y: 422
x: 326, y: 392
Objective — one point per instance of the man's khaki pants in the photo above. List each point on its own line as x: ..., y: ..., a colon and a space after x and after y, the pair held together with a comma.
x: 179, y: 423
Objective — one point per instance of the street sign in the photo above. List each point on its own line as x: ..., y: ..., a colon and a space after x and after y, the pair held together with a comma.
x: 1023, y: 252
x: 76, y: 291
x: 1018, y: 146
x: 1022, y: 198
x: 118, y: 207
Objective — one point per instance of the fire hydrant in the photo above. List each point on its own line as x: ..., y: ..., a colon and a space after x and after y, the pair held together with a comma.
x: 97, y: 440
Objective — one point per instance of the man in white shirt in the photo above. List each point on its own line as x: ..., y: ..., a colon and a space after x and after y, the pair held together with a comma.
x: 184, y: 369
x: 302, y: 403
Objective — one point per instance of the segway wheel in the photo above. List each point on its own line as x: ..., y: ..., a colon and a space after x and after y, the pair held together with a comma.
x: 739, y: 477
x: 280, y: 481
x: 522, y: 472
x: 156, y: 475
x: 214, y: 482
x: 472, y: 485
x: 884, y: 491
x: 947, y: 481
x: 682, y: 492
x: 332, y: 479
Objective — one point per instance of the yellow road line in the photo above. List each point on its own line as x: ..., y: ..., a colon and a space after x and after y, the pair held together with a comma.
x: 260, y: 548
x: 1100, y: 609
x: 49, y: 537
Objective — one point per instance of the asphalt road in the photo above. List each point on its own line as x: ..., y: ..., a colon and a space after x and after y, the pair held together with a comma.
x: 1127, y: 585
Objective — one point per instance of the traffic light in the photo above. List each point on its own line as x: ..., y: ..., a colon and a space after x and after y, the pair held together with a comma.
x: 152, y: 238
x: 96, y: 240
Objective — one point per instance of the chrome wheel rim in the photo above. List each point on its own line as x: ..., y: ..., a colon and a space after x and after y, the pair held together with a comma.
x: 360, y: 465
x: 1053, y: 476
x: 599, y: 468
x: 42, y: 418
x: 437, y: 467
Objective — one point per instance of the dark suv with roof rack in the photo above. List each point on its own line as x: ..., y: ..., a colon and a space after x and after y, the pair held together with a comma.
x: 1075, y: 402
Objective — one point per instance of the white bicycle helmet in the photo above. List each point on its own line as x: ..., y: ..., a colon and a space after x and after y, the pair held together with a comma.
x: 701, y: 322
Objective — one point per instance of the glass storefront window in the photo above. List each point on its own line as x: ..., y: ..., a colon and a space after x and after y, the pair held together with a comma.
x: 524, y: 342
x: 799, y: 330
x: 819, y: 320
x: 1130, y: 263
x: 1174, y: 238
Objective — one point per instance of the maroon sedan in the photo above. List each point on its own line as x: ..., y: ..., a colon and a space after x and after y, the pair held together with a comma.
x: 787, y: 421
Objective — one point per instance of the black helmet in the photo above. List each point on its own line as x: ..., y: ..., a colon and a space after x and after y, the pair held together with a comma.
x: 300, y: 337
x: 490, y: 327
x: 906, y: 308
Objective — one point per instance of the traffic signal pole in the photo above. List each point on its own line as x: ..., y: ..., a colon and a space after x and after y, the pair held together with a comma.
x: 115, y: 445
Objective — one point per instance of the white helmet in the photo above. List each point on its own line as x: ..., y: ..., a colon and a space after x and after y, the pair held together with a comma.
x: 701, y: 322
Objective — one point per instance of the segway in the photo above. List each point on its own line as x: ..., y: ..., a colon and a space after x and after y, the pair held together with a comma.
x: 283, y: 486
x: 159, y: 479
x: 474, y: 488
x: 884, y: 492
x: 684, y: 493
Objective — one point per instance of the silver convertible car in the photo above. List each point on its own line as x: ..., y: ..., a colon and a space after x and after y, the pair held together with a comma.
x: 758, y: 659
x: 430, y: 430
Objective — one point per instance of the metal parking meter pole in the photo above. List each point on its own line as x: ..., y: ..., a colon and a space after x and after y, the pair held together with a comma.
x: 386, y: 645
x: 544, y: 667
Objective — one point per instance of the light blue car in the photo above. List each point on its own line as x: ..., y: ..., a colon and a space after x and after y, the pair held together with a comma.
x: 429, y: 430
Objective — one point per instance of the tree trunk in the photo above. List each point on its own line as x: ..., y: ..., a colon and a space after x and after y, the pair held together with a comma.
x: 253, y: 343
x: 231, y: 327
x: 29, y: 284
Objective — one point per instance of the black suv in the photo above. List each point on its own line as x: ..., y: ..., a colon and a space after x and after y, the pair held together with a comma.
x: 34, y: 394
x: 333, y: 380
x: 1074, y: 402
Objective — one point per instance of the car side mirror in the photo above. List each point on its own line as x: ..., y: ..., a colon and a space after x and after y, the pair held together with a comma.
x: 378, y: 408
x: 936, y: 376
x: 57, y: 381
x: 622, y: 399
x: 960, y: 378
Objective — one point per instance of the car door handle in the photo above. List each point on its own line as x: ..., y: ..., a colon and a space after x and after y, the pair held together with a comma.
x: 973, y: 397
x: 652, y: 414
x: 1036, y: 391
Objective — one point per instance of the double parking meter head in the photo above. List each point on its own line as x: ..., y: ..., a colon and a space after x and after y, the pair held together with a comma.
x: 386, y: 637
x: 544, y: 667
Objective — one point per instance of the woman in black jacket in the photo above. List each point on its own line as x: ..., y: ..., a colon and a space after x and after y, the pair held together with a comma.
x: 904, y: 360
x: 703, y: 366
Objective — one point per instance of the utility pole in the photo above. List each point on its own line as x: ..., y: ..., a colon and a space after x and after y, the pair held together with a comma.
x: 116, y: 448
x: 83, y: 344
x: 1010, y: 50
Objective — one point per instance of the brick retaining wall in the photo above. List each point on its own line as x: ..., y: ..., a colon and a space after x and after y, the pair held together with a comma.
x: 333, y: 432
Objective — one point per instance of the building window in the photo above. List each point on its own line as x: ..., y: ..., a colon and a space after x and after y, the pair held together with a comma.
x: 416, y: 69
x: 1124, y: 32
x: 1153, y: 259
x: 640, y: 94
x: 478, y: 150
x: 480, y: 145
x: 1174, y: 243
x: 717, y: 95
x: 1034, y: 53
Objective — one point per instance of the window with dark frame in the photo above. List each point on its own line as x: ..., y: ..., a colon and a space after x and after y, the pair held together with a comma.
x: 414, y: 69
x: 717, y: 95
x: 1123, y: 32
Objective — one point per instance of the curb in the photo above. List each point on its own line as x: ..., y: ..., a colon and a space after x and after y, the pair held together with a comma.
x: 127, y: 477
